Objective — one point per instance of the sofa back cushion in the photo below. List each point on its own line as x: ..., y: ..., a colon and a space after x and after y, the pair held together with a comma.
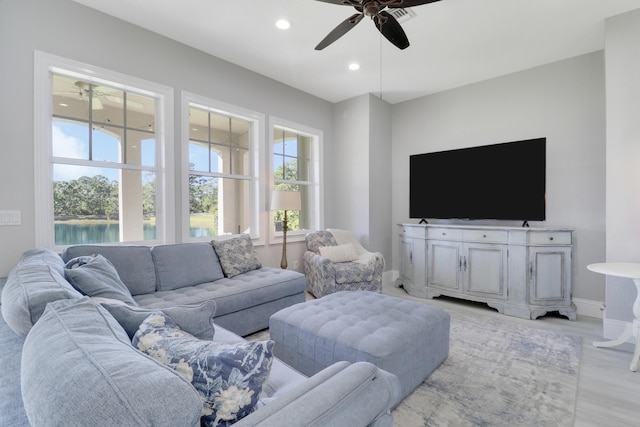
x: 196, y: 319
x: 134, y: 264
x: 185, y: 264
x: 79, y: 368
x: 36, y: 280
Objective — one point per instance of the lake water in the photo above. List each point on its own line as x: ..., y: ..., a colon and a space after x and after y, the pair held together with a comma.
x: 76, y: 234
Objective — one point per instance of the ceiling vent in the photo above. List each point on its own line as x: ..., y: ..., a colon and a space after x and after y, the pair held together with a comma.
x: 402, y: 15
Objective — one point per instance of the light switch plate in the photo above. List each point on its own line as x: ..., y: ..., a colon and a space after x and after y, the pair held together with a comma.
x: 10, y: 218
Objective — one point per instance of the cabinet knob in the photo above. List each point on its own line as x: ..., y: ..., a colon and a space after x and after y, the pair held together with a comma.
x: 484, y: 235
x: 444, y: 234
x: 550, y: 238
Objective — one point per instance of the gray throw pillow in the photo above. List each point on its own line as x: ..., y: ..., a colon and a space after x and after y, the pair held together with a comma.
x: 229, y: 377
x: 236, y: 255
x: 196, y: 319
x: 97, y: 277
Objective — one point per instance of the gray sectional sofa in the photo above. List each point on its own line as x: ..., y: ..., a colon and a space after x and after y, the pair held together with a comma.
x: 68, y: 359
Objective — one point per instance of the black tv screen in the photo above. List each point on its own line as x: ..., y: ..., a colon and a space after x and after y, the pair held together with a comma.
x: 500, y: 181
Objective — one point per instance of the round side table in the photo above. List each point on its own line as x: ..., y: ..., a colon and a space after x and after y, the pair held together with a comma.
x: 631, y: 271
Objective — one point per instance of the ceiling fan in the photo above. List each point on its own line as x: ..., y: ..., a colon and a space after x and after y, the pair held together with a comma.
x: 100, y: 94
x: 384, y: 21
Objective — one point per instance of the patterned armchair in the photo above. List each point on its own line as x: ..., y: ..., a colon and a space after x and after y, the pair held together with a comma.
x: 325, y: 276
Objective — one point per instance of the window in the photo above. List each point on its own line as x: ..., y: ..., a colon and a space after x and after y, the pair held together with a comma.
x: 295, y: 160
x: 103, y: 180
x: 222, y: 174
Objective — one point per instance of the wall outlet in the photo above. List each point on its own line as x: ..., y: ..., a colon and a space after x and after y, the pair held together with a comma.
x: 296, y: 265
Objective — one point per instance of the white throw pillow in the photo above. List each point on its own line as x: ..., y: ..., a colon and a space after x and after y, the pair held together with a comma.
x: 341, y: 253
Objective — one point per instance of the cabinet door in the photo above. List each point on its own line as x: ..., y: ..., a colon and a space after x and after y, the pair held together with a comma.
x: 445, y: 264
x: 549, y: 275
x: 406, y: 260
x: 485, y: 268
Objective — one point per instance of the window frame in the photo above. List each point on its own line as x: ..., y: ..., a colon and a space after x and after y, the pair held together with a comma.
x: 257, y: 121
x: 44, y: 65
x: 316, y: 214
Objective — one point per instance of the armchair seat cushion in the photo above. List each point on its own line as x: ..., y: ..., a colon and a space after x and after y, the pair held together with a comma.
x: 353, y: 272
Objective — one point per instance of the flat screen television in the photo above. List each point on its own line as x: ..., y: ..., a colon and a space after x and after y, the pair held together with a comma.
x: 500, y: 181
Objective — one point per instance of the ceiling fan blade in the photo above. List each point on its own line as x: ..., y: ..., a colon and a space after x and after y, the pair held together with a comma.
x: 392, y: 30
x: 408, y: 3
x: 340, y: 30
x: 341, y: 2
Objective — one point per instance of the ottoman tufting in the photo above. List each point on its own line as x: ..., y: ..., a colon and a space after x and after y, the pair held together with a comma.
x: 406, y: 338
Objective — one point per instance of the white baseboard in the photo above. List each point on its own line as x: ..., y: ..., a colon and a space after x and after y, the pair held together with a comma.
x: 589, y: 308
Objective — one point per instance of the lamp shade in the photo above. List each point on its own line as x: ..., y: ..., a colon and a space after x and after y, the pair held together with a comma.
x: 285, y: 201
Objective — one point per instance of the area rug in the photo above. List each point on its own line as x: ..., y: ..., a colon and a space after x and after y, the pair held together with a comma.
x: 498, y: 373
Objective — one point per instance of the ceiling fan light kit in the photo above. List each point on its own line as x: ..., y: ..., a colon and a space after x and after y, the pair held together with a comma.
x: 385, y: 22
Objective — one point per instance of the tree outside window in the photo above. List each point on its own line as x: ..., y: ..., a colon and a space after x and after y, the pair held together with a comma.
x: 220, y: 175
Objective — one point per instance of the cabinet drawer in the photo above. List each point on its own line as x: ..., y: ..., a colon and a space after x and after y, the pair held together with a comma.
x: 489, y: 236
x: 444, y: 233
x: 550, y: 238
x: 418, y: 232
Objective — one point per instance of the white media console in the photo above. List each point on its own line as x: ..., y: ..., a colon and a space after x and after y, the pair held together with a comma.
x: 521, y: 272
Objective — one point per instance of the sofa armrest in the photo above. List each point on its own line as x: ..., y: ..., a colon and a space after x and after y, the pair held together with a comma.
x: 344, y: 394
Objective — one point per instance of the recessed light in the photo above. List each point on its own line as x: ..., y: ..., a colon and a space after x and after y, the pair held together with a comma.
x: 283, y: 24
x: 354, y: 66
x: 62, y: 104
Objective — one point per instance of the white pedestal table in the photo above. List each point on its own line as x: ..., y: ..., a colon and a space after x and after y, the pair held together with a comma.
x: 631, y: 271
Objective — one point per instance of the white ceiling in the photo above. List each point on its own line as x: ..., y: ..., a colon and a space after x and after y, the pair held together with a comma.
x: 453, y: 42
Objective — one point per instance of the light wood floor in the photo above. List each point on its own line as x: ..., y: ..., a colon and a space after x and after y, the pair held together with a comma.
x: 608, y: 392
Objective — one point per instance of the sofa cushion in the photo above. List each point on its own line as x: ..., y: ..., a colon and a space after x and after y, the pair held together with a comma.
x: 79, y: 368
x: 239, y: 293
x: 229, y: 377
x: 97, y: 277
x: 236, y: 255
x: 36, y: 280
x: 134, y: 264
x: 196, y: 319
x: 185, y: 264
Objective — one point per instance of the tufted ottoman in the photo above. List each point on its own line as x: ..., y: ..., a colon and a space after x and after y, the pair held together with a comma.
x: 406, y: 338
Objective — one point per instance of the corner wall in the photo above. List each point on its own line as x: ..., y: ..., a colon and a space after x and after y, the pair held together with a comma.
x: 360, y: 170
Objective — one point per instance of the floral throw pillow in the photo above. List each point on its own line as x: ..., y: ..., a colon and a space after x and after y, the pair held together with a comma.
x: 229, y: 377
x: 236, y: 255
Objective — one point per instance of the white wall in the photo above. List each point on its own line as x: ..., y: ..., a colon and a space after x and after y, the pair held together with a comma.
x: 563, y: 102
x: 67, y: 29
x: 622, y: 62
x: 380, y: 185
x: 349, y: 168
x: 360, y: 170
